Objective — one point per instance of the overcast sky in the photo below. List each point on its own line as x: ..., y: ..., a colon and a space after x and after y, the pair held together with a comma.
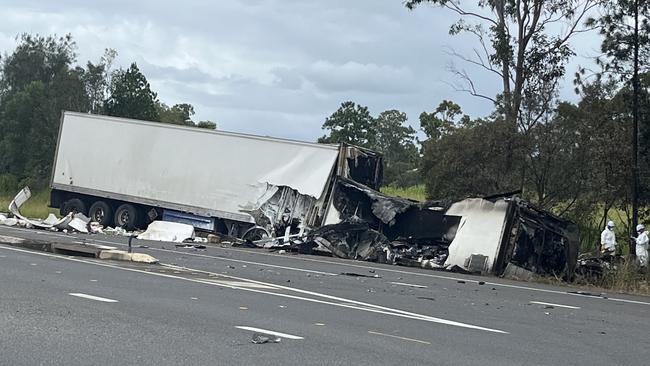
x: 272, y: 67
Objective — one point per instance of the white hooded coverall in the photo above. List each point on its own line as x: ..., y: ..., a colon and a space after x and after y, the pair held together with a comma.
x: 642, y: 248
x: 608, y: 240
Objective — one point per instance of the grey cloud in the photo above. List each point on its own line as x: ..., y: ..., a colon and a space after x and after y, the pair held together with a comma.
x: 350, y: 77
x: 276, y: 67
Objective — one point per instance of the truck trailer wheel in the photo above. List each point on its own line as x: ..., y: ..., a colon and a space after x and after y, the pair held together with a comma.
x: 73, y: 205
x: 101, y: 212
x: 126, y: 216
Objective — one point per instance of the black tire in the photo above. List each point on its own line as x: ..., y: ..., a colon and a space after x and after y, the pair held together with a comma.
x: 102, y: 213
x: 126, y: 216
x: 73, y: 205
x: 255, y: 233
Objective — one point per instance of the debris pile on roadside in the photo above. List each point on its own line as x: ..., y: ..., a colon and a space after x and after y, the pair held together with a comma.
x: 78, y: 222
x: 71, y: 222
x: 502, y: 235
x: 593, y: 265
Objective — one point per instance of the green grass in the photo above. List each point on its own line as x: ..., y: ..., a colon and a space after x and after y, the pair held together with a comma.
x: 35, y: 207
x: 416, y: 193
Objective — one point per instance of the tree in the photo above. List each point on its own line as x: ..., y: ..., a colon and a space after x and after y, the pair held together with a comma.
x: 37, y: 82
x: 521, y: 43
x: 96, y: 79
x: 625, y: 29
x: 131, y: 96
x: 443, y: 120
x: 557, y: 159
x: 469, y: 161
x: 208, y: 125
x: 351, y: 124
x: 179, y: 114
x: 395, y: 139
x: 36, y: 58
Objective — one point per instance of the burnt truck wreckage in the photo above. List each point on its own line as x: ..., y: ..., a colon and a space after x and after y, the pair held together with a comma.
x: 300, y: 196
x: 502, y: 235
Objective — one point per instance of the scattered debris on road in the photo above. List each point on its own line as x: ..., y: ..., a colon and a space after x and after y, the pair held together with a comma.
x: 352, y: 274
x: 259, y: 338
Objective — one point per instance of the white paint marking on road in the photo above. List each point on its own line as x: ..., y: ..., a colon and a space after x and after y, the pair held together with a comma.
x: 398, y: 337
x: 91, y: 297
x: 371, y: 308
x: 408, y: 284
x: 245, y: 284
x: 93, y: 280
x: 269, y: 332
x: 32, y: 264
x: 554, y: 305
x: 347, y: 303
x: 629, y: 301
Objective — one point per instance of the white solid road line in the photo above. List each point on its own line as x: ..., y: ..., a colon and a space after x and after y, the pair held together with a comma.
x: 407, y: 284
x: 270, y: 332
x: 352, y: 303
x: 91, y: 297
x: 554, y: 305
x: 629, y: 301
x: 398, y: 337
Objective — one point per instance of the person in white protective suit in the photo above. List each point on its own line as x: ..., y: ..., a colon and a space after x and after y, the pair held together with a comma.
x: 608, y: 239
x: 642, y: 245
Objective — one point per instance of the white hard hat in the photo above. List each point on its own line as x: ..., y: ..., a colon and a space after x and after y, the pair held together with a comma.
x: 640, y: 227
x: 610, y: 223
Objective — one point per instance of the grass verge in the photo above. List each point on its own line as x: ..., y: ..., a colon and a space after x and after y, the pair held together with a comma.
x: 35, y: 207
x: 416, y: 193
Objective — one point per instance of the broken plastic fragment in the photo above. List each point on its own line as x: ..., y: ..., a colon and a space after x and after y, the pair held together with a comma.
x: 51, y: 220
x: 78, y: 224
x: 259, y: 338
x: 96, y: 228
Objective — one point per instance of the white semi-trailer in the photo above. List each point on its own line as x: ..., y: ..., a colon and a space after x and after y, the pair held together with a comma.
x: 126, y: 173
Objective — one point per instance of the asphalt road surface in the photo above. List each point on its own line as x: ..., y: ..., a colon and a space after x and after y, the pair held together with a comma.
x: 204, y: 307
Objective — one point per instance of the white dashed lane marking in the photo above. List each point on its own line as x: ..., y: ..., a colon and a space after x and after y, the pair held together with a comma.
x: 91, y: 297
x: 555, y: 305
x: 269, y: 332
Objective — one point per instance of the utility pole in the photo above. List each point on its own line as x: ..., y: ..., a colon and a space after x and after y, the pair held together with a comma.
x: 635, y: 124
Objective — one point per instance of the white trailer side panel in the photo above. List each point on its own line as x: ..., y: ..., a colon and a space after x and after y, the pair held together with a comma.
x: 191, y: 167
